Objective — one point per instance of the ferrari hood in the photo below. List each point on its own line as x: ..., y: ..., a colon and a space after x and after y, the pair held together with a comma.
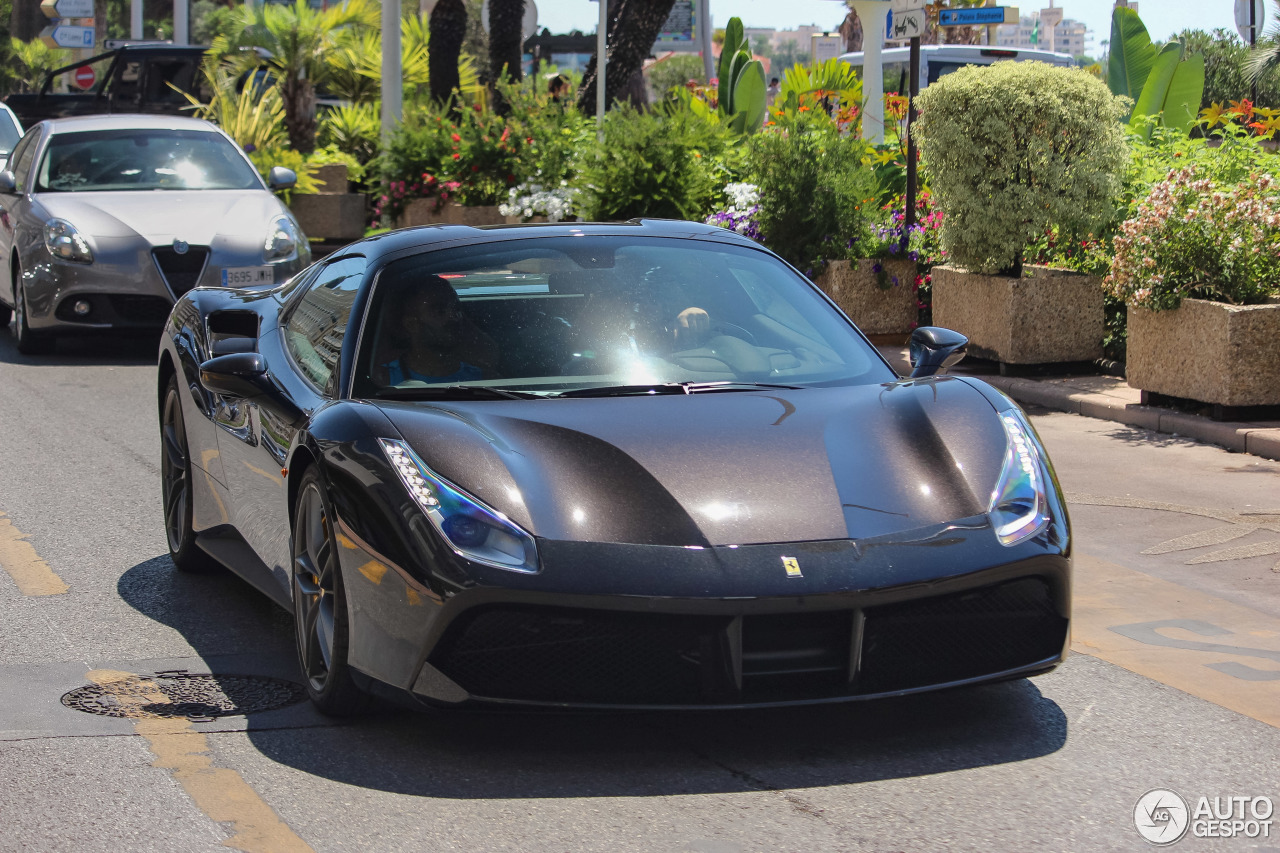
x: 162, y: 216
x: 720, y: 468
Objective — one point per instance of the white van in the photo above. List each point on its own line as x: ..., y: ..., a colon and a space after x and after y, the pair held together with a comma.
x: 939, y: 59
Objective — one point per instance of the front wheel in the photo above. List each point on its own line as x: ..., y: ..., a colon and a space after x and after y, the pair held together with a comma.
x: 319, y: 604
x: 28, y: 341
x: 175, y: 485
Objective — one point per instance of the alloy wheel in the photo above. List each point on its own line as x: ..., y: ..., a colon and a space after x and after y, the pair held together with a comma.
x: 314, y: 583
x: 174, y: 470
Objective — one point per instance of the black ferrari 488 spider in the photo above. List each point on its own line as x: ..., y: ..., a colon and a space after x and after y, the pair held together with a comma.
x: 635, y: 465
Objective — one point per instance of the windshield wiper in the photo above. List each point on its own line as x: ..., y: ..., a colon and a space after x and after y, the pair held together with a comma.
x: 454, y: 392
x: 675, y: 388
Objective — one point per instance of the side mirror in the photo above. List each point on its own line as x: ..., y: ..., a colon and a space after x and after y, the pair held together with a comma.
x: 8, y: 183
x: 281, y: 178
x: 238, y: 374
x: 934, y: 348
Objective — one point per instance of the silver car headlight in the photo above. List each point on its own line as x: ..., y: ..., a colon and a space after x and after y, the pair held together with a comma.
x: 1019, y: 504
x: 283, y: 240
x: 473, y: 530
x: 65, y: 243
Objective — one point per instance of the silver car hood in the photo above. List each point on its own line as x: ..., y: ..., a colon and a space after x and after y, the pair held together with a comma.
x: 162, y: 216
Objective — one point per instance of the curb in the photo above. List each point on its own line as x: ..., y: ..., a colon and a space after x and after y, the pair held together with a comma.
x: 1255, y: 439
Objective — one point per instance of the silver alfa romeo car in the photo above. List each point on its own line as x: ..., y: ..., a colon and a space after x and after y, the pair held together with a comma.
x: 105, y: 221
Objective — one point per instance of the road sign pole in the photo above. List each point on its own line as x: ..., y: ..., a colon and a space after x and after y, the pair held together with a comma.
x: 1253, y: 41
x: 602, y: 44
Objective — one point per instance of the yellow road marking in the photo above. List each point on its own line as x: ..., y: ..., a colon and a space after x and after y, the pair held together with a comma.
x: 219, y: 792
x: 32, y: 574
x: 1203, y: 645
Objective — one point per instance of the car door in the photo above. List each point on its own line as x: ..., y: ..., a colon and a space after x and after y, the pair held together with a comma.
x: 10, y: 208
x: 302, y: 355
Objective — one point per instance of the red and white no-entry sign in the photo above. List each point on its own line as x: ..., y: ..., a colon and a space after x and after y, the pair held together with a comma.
x: 85, y: 76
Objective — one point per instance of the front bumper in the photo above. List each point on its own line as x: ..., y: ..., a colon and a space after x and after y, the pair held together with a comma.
x: 863, y: 620
x: 128, y: 285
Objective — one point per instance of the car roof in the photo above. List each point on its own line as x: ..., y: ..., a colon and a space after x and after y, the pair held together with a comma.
x: 128, y: 121
x: 408, y: 240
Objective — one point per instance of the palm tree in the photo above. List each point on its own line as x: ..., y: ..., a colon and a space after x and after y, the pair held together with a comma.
x: 631, y: 36
x: 1266, y: 56
x: 296, y: 40
x: 448, y: 25
x: 32, y: 60
x: 355, y: 62
x: 506, y: 49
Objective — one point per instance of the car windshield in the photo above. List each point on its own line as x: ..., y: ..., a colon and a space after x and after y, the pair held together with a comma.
x: 116, y: 160
x: 593, y: 315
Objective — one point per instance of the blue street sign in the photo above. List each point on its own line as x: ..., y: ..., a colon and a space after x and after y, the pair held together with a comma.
x: 985, y: 16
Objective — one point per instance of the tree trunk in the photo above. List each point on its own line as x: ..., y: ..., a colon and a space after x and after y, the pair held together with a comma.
x: 27, y: 20
x: 299, y: 98
x: 631, y: 37
x: 506, y: 37
x: 448, y: 26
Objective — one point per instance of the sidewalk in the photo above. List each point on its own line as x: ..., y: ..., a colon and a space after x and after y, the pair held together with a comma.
x: 1111, y: 399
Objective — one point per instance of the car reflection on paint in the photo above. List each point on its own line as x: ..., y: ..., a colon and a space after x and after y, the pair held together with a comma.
x: 636, y: 465
x: 106, y: 220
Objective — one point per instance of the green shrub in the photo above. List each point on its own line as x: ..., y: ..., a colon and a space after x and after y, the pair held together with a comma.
x: 1014, y: 148
x: 676, y: 70
x: 355, y: 130
x: 668, y: 165
x: 818, y: 199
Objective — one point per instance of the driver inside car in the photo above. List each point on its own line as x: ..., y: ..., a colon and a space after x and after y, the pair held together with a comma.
x: 435, y: 341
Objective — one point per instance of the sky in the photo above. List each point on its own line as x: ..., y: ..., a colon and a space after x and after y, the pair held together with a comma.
x: 1163, y: 18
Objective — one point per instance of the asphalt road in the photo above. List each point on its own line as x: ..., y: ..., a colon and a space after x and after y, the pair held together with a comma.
x: 1175, y: 684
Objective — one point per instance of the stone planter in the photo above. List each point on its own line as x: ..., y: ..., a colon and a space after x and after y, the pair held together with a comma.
x: 332, y: 213
x: 855, y: 287
x: 1048, y: 316
x: 1227, y: 355
x: 422, y: 211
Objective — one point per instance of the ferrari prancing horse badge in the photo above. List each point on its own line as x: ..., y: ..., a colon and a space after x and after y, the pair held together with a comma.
x: 792, y: 565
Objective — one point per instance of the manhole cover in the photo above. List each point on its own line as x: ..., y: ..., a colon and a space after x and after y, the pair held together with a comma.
x: 180, y: 694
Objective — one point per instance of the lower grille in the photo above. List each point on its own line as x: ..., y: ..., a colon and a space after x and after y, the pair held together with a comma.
x: 181, y: 271
x: 542, y: 654
x: 141, y: 310
x: 954, y: 637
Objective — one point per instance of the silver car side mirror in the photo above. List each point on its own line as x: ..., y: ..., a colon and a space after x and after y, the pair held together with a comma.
x: 8, y: 183
x: 281, y: 178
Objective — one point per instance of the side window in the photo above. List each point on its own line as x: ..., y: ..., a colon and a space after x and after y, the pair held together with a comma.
x: 20, y: 161
x: 318, y: 324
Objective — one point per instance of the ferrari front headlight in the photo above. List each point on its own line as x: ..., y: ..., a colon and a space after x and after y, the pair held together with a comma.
x: 473, y: 530
x: 65, y: 243
x: 1019, y: 504
x: 283, y: 239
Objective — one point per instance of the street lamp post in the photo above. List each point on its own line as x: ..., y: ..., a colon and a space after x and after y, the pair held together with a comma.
x: 602, y: 39
x: 392, y: 85
x: 872, y: 13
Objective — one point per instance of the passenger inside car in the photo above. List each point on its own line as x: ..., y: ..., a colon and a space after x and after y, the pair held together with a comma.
x: 438, y: 342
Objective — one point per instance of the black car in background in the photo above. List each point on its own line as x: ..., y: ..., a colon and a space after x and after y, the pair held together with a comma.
x: 644, y: 464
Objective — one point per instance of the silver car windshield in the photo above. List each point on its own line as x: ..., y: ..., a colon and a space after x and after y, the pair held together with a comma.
x: 577, y: 315
x: 123, y: 160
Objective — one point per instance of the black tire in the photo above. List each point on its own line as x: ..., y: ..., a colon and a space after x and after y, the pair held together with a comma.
x: 29, y: 342
x: 319, y: 604
x: 175, y: 485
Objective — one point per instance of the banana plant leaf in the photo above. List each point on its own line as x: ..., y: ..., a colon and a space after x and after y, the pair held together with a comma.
x: 749, y: 97
x: 1132, y: 54
x: 1182, y: 103
x: 1150, y: 100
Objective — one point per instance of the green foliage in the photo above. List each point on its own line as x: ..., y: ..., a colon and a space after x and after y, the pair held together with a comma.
x: 817, y: 202
x: 805, y: 88
x: 355, y: 130
x: 34, y: 60
x: 1014, y: 148
x: 264, y: 159
x: 676, y: 70
x: 355, y: 64
x: 742, y: 93
x: 1226, y: 75
x: 652, y: 164
x: 253, y: 117
x: 1166, y: 82
x: 1132, y: 54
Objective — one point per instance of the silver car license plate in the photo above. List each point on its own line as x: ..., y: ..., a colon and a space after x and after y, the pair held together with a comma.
x: 241, y: 276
